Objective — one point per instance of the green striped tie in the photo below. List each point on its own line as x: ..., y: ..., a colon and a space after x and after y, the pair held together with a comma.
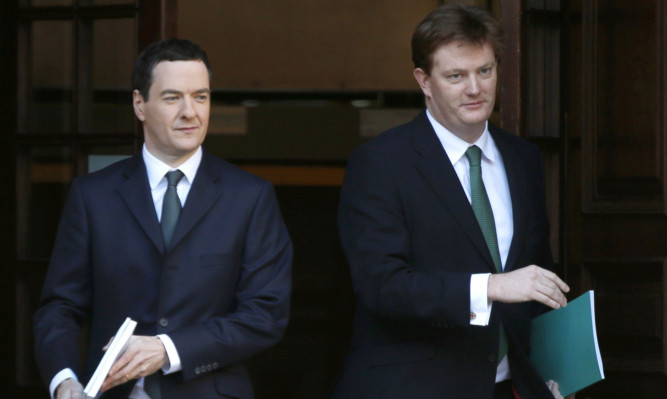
x: 484, y: 214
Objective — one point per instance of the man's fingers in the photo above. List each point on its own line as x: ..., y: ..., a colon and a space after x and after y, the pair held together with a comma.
x: 553, y: 277
x: 121, y: 372
x: 125, y: 358
x: 552, y: 286
x: 546, y: 300
x: 553, y: 293
x: 562, y: 285
x: 115, y: 380
x: 121, y: 363
x: 105, y: 347
x: 69, y: 389
x: 554, y: 388
x: 132, y: 370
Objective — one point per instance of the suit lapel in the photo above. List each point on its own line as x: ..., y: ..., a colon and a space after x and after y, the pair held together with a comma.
x: 515, y: 171
x: 203, y: 194
x: 436, y: 168
x: 136, y: 193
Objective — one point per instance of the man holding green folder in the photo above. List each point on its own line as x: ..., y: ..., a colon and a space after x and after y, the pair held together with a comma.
x: 444, y: 225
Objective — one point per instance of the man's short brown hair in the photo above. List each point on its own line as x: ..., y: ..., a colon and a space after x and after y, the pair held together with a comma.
x: 450, y: 23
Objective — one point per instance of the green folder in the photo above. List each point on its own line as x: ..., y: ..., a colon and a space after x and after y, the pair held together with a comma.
x: 564, y: 345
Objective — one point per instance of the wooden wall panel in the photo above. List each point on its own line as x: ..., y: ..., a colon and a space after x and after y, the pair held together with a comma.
x: 618, y: 220
x: 630, y: 313
x: 623, y: 104
x: 305, y: 44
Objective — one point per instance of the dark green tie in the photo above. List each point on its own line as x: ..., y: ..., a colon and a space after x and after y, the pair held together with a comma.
x: 484, y: 214
x: 171, y: 206
x: 152, y: 385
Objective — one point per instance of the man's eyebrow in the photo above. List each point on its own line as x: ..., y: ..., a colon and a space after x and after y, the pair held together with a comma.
x: 453, y: 70
x: 173, y: 91
x: 170, y: 91
x: 463, y: 70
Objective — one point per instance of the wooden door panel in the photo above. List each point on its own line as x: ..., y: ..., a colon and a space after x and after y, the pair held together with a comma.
x: 617, y: 222
x: 622, y: 103
x: 611, y: 188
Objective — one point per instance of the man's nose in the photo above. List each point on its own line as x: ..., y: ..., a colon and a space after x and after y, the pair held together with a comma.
x: 188, y: 109
x: 473, y: 85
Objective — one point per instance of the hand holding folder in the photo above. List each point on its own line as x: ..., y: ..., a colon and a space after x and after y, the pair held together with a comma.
x: 113, y: 352
x: 564, y: 345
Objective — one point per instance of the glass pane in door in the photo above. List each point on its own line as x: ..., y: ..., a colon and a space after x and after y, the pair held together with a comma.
x: 114, y: 50
x: 43, y: 180
x: 96, y: 157
x: 48, y: 86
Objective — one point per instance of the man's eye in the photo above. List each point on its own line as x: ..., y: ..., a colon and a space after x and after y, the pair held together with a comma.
x: 486, y: 71
x: 202, y: 98
x: 454, y: 76
x: 170, y: 99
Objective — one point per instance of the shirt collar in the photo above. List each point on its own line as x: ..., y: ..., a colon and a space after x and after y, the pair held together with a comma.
x: 456, y: 148
x: 156, y: 169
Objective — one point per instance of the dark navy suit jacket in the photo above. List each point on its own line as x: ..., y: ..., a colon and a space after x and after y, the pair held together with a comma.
x: 412, y: 242
x: 221, y: 290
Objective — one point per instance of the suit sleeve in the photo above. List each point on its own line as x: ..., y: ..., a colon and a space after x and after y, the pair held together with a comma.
x: 262, y: 298
x: 375, y: 235
x: 65, y: 300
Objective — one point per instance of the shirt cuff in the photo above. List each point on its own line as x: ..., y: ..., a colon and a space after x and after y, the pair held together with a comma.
x: 60, y: 377
x: 480, y: 306
x: 172, y: 354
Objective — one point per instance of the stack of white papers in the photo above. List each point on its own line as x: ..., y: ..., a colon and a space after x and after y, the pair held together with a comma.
x: 113, y: 352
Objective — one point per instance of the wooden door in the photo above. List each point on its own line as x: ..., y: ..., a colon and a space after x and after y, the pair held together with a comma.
x: 66, y: 96
x: 617, y: 227
x: 585, y: 80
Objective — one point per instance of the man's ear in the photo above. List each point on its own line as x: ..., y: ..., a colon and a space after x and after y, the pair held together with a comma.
x: 139, y: 105
x: 424, y: 81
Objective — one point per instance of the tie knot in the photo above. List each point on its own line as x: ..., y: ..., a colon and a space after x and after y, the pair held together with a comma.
x: 174, y: 177
x: 474, y: 155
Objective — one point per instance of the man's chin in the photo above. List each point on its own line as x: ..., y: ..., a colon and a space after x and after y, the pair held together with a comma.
x: 476, y: 118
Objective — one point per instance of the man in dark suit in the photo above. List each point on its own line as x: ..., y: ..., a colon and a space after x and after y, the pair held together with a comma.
x: 208, y: 284
x: 449, y: 263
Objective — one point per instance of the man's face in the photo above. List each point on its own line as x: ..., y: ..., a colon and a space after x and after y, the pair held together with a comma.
x: 461, y: 88
x: 175, y: 117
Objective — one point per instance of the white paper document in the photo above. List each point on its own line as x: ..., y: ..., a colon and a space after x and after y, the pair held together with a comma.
x: 113, y: 352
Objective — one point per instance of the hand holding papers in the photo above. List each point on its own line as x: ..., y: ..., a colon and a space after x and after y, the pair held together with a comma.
x: 564, y: 345
x: 113, y: 352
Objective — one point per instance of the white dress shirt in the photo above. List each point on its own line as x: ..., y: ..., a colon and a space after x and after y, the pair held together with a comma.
x: 497, y: 188
x: 157, y: 180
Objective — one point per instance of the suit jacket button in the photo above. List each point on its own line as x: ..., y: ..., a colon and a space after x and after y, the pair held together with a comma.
x: 215, y: 365
x: 197, y: 370
x: 163, y: 322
